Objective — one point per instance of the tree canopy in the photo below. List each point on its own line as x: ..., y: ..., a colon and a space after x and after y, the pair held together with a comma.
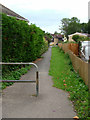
x: 70, y: 26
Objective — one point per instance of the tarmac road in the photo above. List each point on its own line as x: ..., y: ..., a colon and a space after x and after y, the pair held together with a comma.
x: 18, y: 100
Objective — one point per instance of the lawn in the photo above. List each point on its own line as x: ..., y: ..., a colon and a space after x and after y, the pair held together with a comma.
x: 64, y: 77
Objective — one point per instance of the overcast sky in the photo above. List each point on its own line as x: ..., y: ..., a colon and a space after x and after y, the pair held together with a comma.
x: 47, y: 14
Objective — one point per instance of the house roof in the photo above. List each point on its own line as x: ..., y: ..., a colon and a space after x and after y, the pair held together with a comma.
x: 52, y: 35
x: 58, y: 36
x: 9, y: 12
x: 77, y: 33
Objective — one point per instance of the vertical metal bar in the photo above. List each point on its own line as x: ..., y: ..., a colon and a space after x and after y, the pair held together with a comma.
x: 37, y: 84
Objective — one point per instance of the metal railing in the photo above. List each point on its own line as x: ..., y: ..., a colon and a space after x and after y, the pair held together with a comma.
x: 37, y: 76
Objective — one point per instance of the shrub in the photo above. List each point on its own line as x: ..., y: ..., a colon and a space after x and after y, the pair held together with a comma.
x: 44, y: 46
x: 81, y: 38
x: 78, y: 38
x: 75, y: 38
x: 20, y: 42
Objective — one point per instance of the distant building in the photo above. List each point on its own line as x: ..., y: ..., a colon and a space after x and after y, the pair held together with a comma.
x: 11, y: 13
x: 56, y: 38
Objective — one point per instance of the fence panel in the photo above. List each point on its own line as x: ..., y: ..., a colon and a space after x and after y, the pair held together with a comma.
x: 79, y: 65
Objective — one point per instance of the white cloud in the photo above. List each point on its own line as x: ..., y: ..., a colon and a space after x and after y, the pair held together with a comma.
x: 63, y: 8
x: 51, y: 28
x: 46, y: 4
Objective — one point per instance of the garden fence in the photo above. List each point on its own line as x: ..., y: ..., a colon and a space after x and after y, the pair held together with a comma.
x: 80, y: 66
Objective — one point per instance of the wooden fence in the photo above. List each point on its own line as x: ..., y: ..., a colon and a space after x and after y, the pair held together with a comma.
x: 70, y: 46
x: 79, y: 65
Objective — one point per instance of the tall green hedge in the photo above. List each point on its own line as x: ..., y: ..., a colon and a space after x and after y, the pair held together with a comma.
x: 20, y: 42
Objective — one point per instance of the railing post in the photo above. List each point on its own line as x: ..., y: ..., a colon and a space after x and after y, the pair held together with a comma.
x: 37, y: 83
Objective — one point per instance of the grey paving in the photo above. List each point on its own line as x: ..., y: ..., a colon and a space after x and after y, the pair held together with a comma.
x: 18, y: 100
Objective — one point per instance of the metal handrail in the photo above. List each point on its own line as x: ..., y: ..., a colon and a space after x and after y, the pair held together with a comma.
x: 19, y: 63
x: 37, y: 76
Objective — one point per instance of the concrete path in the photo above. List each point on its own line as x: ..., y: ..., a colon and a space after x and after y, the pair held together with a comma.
x: 19, y: 102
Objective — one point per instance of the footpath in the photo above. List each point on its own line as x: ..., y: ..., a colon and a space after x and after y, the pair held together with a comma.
x: 18, y: 100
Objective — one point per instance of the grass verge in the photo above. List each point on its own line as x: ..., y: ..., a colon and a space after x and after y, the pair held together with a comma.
x: 64, y: 77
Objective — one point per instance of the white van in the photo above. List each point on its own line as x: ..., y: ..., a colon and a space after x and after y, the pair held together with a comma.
x: 86, y: 49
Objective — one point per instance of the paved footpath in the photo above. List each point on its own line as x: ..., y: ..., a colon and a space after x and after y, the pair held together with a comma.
x: 18, y: 100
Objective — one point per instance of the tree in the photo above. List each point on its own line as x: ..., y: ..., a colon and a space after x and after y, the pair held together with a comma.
x: 64, y: 26
x: 70, y: 26
x: 84, y: 27
x: 55, y: 33
x: 74, y: 25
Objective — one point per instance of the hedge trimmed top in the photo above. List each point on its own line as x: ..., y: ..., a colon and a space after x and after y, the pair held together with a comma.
x: 20, y: 42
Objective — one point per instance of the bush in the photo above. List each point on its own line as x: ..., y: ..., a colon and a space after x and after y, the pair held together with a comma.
x: 81, y: 38
x: 78, y: 38
x: 75, y: 38
x: 20, y: 42
x: 44, y: 46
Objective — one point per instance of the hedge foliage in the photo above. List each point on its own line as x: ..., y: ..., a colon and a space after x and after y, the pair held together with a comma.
x: 20, y: 42
x: 78, y: 38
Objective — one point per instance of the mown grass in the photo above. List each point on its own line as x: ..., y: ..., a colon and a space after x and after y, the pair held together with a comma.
x: 14, y: 75
x: 64, y: 77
